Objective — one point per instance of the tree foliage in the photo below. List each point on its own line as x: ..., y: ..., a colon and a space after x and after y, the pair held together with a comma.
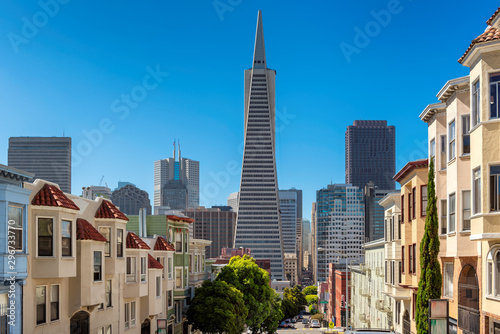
x: 312, y: 299
x: 295, y: 295
x: 253, y: 282
x: 217, y: 307
x: 429, y: 286
x: 271, y: 323
x: 310, y: 290
x: 318, y: 316
x: 289, y: 309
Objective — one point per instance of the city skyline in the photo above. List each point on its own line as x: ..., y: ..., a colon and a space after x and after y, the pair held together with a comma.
x: 65, y: 78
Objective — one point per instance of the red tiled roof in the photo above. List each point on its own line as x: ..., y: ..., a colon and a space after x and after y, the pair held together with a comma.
x: 490, y: 34
x: 183, y: 219
x: 163, y: 245
x: 133, y: 241
x: 109, y: 210
x: 85, y: 231
x: 490, y: 20
x: 50, y: 195
x: 409, y: 167
x: 153, y: 263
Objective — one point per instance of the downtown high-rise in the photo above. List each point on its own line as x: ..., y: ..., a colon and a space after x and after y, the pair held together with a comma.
x: 370, y: 154
x: 258, y: 224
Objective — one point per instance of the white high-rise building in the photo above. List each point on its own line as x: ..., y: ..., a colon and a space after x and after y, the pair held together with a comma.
x: 232, y: 201
x: 177, y: 183
x: 288, y: 210
x: 258, y: 224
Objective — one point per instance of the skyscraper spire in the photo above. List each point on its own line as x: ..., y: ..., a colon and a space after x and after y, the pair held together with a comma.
x: 259, y: 53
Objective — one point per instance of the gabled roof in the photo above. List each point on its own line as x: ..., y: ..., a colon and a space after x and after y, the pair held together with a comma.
x: 492, y: 18
x: 153, y: 263
x: 50, y: 195
x: 163, y: 245
x: 409, y: 167
x: 85, y: 231
x: 183, y: 219
x: 108, y: 210
x: 490, y: 34
x: 134, y: 242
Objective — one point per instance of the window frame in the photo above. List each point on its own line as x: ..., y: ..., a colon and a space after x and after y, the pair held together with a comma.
x: 66, y: 238
x: 107, y: 236
x: 443, y: 208
x: 496, y: 103
x: 109, y: 294
x: 126, y: 315
x: 423, y: 200
x: 476, y: 103
x: 493, y: 273
x: 447, y: 289
x: 464, y: 210
x: 170, y: 270
x: 177, y: 277
x: 403, y: 259
x: 133, y: 314
x: 158, y: 286
x: 414, y: 198
x: 414, y: 259
x: 37, y: 323
x: 119, y: 244
x: 465, y: 133
x: 494, y: 188
x: 100, y: 272
x: 18, y: 241
x: 133, y: 269
x: 410, y: 209
x: 178, y: 242
x: 38, y: 237
x: 402, y: 209
x: 432, y: 150
x: 410, y: 259
x: 452, y: 213
x: 58, y: 301
x: 144, y: 269
x: 452, y: 134
x: 476, y: 191
x: 443, y: 155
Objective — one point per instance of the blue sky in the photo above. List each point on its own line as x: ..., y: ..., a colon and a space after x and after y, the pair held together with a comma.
x: 69, y: 68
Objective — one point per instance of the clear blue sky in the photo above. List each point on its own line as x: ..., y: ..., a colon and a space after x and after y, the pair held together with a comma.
x: 67, y: 72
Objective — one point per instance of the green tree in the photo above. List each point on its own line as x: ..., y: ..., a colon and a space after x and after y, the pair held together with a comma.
x: 318, y: 316
x: 429, y: 286
x: 296, y: 296
x: 312, y: 299
x: 253, y: 282
x: 310, y: 290
x: 270, y: 325
x: 217, y: 307
x: 289, y: 309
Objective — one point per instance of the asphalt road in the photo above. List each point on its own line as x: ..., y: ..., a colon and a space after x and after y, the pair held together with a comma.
x: 300, y: 329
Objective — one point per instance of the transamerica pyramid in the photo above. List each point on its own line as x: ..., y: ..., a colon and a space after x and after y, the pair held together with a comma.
x: 258, y: 225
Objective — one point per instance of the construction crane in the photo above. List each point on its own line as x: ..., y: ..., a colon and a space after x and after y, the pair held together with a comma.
x: 100, y: 182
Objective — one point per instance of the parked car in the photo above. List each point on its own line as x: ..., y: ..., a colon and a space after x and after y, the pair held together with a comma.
x: 294, y: 320
x: 300, y: 317
x: 315, y: 323
x: 368, y: 331
x: 282, y: 325
x: 305, y: 321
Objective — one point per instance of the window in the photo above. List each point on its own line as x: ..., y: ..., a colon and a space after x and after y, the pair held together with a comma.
x: 132, y: 314
x: 490, y: 278
x: 476, y: 100
x: 402, y: 259
x: 399, y: 227
x: 448, y: 280
x: 178, y: 242
x: 186, y: 243
x: 494, y: 93
x: 162, y: 262
x: 131, y: 269
x: 414, y: 259
x: 158, y: 286
x: 15, y: 227
x: 442, y: 156
x: 178, y: 312
x: 45, y: 229
x: 54, y: 302
x: 451, y: 138
x: 414, y: 204
x: 466, y: 210
x: 186, y: 281
x: 423, y: 201
x: 410, y: 259
x: 106, y: 233
x: 402, y: 209
x: 144, y: 265
x: 466, y: 134
x: 178, y: 278
x: 414, y: 304
x: 493, y: 271
x: 104, y: 330
x: 109, y: 286
x: 432, y: 150
x: 41, y: 295
x: 444, y: 216
x: 97, y: 266
x: 66, y: 232
x: 495, y: 188
x: 399, y: 272
x: 170, y: 270
x: 127, y: 315
x: 170, y: 298
x: 476, y: 190
x: 119, y: 243
x: 392, y: 273
x: 451, y: 222
x: 410, y: 209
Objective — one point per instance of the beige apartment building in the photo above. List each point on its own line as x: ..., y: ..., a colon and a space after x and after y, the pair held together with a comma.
x: 413, y: 180
x: 87, y: 274
x: 291, y: 268
x: 483, y: 59
x: 450, y: 148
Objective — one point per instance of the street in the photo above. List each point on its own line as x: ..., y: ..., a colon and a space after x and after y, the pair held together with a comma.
x: 300, y: 329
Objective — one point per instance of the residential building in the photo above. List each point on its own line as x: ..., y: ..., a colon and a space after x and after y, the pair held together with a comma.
x: 131, y: 199
x: 215, y: 225
x: 393, y: 257
x: 339, y: 280
x: 49, y: 158
x: 177, y: 183
x: 448, y: 127
x: 197, y: 270
x: 370, y: 307
x: 340, y: 229
x: 291, y: 268
x: 258, y: 224
x: 374, y: 213
x: 94, y: 191
x: 482, y: 281
x: 370, y: 154
x: 413, y: 180
x: 14, y: 201
x: 232, y: 201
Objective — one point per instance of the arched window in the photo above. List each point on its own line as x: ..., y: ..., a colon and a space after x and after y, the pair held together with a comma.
x: 493, y: 272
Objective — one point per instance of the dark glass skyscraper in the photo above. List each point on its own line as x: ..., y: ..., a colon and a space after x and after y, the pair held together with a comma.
x: 370, y: 154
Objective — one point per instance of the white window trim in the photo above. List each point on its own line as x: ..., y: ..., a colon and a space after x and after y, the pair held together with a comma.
x: 182, y: 277
x: 124, y: 237
x: 73, y: 238
x: 46, y: 311
x: 110, y: 241
x: 490, y: 164
x: 450, y: 141
x: 170, y: 271
x: 462, y: 207
x: 145, y: 269
x: 490, y: 258
x: 102, y: 267
x: 54, y: 248
x: 24, y: 209
x: 58, y: 303
x: 449, y: 231
x: 475, y: 210
x: 135, y: 272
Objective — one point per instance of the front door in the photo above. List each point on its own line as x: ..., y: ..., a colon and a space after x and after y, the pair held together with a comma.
x: 146, y: 327
x: 79, y: 323
x: 468, y: 301
x: 406, y: 323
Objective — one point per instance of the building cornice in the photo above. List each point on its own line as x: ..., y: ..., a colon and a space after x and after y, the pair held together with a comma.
x: 451, y: 87
x: 431, y: 110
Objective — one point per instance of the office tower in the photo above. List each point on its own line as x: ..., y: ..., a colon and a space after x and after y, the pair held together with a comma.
x: 177, y: 183
x: 232, y: 201
x: 374, y: 212
x: 306, y: 235
x: 340, y: 227
x: 258, y: 224
x: 370, y: 154
x: 314, y: 245
x: 216, y: 224
x: 49, y: 158
x: 289, y: 204
x: 130, y: 199
x: 122, y: 184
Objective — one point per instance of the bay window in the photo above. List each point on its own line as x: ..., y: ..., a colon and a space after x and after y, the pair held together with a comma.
x: 45, y: 236
x: 15, y: 226
x: 494, y: 94
x: 66, y: 232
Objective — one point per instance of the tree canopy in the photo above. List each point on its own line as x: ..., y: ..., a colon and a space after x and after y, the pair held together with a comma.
x: 312, y: 299
x: 310, y: 290
x: 271, y: 323
x: 217, y: 307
